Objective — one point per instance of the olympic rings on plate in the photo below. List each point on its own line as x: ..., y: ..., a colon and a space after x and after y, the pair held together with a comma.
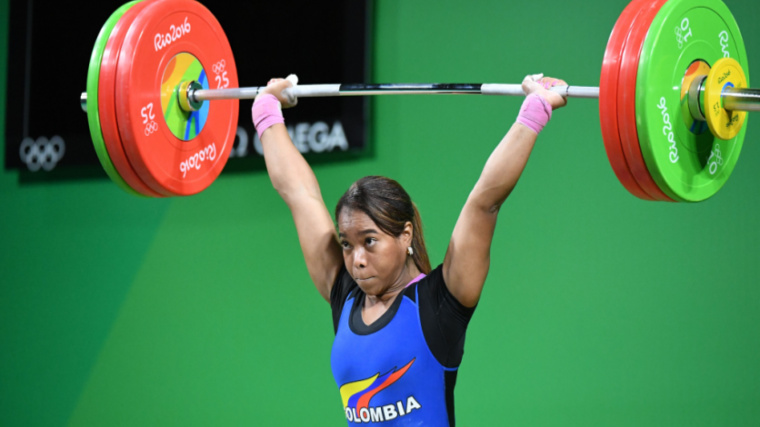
x: 150, y: 128
x: 219, y: 66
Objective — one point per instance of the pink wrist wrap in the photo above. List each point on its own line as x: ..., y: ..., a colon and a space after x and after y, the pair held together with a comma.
x: 266, y: 111
x: 535, y: 112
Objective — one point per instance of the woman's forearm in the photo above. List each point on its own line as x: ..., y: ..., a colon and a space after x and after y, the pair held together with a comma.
x: 289, y: 172
x: 503, y: 168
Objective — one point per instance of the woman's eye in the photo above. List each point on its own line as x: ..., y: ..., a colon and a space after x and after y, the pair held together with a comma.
x: 370, y: 240
x: 344, y: 245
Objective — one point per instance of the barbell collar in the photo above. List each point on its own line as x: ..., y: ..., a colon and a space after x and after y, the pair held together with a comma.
x: 696, y: 91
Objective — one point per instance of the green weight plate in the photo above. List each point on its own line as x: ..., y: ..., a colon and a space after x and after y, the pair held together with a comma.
x: 93, y: 116
x: 687, y: 165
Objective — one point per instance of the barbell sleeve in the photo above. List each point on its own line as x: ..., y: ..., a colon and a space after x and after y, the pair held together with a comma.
x: 745, y: 99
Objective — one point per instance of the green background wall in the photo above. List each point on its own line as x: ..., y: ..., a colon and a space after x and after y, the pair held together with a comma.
x: 600, y: 309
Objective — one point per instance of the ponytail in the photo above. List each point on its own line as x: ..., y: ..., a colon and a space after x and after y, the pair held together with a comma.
x: 420, y: 256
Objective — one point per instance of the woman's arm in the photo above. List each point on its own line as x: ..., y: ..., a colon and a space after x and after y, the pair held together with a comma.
x: 296, y: 183
x: 468, y: 256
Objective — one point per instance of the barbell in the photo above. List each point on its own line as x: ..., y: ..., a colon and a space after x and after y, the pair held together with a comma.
x: 162, y: 92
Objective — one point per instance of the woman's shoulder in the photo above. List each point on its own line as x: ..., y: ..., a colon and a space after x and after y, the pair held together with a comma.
x: 431, y: 282
x: 342, y: 289
x: 435, y: 277
x: 432, y: 291
x: 344, y: 285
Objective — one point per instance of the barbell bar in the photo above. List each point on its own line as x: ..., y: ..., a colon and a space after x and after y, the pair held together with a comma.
x: 739, y: 99
x: 659, y: 93
x: 196, y: 96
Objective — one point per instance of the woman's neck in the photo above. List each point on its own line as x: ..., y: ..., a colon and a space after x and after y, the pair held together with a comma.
x: 409, y: 273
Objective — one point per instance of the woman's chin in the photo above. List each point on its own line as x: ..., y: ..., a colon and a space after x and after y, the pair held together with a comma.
x: 369, y: 286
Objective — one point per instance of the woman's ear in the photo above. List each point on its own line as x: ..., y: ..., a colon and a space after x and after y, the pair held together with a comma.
x: 407, y: 233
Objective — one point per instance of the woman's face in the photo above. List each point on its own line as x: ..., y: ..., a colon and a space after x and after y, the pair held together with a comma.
x: 374, y: 258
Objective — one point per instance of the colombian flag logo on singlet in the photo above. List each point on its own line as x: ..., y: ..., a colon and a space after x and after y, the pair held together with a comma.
x: 356, y: 397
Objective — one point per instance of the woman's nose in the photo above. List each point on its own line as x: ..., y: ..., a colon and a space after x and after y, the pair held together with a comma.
x: 360, y: 258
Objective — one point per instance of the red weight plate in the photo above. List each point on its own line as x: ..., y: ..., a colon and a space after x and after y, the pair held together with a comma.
x: 626, y: 102
x: 106, y: 105
x: 608, y: 93
x: 161, y: 31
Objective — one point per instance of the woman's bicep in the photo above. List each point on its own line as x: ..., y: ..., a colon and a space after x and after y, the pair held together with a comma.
x: 294, y: 180
x: 317, y: 237
x: 468, y: 256
x: 467, y: 260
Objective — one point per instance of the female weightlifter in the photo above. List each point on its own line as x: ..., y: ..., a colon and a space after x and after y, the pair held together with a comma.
x: 399, y: 325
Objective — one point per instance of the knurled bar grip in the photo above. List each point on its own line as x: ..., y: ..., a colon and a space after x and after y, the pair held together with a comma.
x: 327, y: 90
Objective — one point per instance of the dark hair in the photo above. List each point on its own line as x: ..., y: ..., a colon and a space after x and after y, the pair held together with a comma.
x: 389, y: 206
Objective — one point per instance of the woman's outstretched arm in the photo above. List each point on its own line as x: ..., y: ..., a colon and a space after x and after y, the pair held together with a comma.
x: 296, y: 183
x: 468, y: 256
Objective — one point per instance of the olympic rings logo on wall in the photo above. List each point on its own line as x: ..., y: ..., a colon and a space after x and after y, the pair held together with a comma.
x: 42, y: 152
x: 219, y: 66
x: 151, y: 128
